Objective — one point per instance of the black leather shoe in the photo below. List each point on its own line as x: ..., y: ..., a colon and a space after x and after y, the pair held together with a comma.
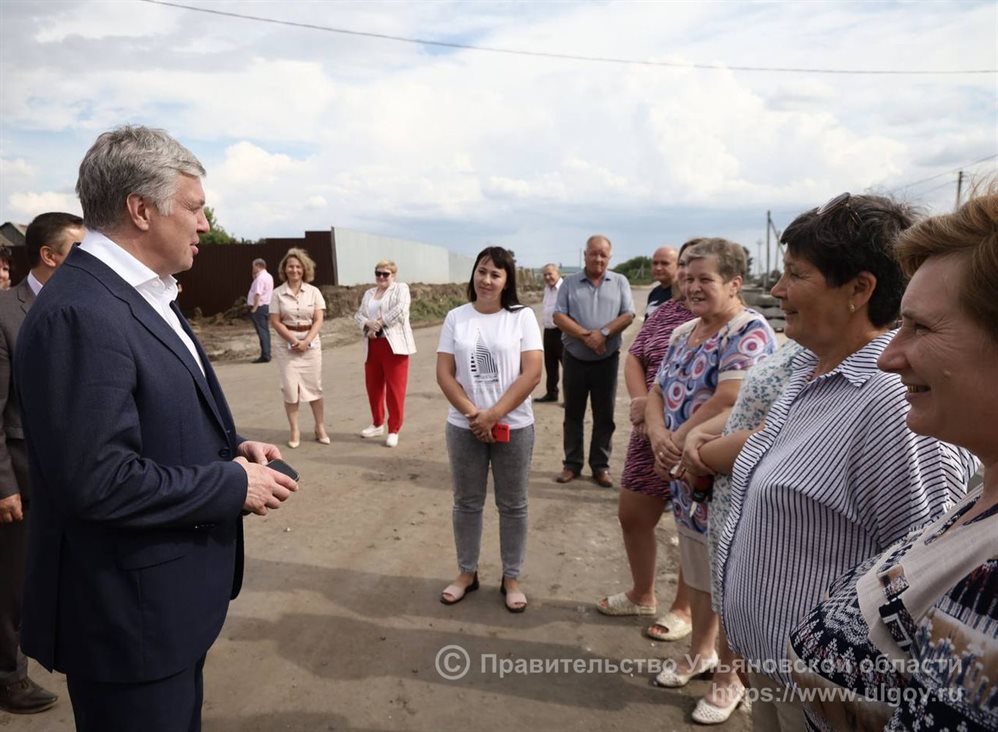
x: 25, y: 697
x: 547, y: 398
x: 261, y: 360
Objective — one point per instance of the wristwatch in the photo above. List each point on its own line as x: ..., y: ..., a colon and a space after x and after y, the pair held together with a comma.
x: 605, y: 331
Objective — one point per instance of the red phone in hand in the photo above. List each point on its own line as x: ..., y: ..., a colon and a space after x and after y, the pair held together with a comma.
x: 500, y: 432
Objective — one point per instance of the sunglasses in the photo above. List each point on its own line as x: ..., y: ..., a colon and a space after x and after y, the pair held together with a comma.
x: 379, y: 273
x: 839, y: 202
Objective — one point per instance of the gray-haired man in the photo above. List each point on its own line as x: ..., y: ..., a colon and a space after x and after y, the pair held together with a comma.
x: 594, y: 307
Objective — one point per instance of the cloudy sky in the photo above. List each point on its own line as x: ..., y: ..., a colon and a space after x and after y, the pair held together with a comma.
x: 304, y: 128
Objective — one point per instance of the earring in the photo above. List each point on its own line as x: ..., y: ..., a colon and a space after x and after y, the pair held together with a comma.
x: 852, y: 308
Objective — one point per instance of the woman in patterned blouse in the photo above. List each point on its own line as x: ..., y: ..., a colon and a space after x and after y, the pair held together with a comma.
x: 700, y: 377
x: 909, y: 638
x: 644, y: 495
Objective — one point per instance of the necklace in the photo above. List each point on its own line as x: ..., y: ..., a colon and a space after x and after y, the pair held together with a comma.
x: 701, y: 334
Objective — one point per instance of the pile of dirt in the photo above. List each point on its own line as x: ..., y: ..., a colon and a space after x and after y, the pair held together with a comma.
x: 229, y: 336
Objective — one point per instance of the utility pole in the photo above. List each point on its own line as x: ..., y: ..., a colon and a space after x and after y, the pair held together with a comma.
x: 769, y: 226
x: 959, y: 188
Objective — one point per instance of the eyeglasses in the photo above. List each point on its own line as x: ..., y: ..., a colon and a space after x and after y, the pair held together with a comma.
x: 379, y: 273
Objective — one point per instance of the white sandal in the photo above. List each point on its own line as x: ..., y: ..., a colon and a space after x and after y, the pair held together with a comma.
x: 620, y: 604
x: 669, y: 678
x: 676, y: 628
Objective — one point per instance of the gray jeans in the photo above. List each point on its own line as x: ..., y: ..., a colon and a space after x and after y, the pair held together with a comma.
x: 469, y: 462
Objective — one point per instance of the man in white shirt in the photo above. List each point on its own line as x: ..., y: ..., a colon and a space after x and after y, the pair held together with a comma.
x: 552, y: 335
x: 139, y: 477
x: 258, y: 300
x: 48, y: 240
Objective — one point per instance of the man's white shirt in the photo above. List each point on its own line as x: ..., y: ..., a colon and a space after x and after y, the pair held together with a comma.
x: 158, y: 291
x: 550, y: 298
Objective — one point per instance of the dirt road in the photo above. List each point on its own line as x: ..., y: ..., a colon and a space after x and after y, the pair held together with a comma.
x: 339, y: 625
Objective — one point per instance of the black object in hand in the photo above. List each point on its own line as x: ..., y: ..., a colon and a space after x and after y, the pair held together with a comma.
x: 282, y: 467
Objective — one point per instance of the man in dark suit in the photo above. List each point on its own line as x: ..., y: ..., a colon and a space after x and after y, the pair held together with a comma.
x: 47, y: 241
x: 140, y: 479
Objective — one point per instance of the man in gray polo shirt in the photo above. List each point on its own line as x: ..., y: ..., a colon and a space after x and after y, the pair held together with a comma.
x: 594, y: 306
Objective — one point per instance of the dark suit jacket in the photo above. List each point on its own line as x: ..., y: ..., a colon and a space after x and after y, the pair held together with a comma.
x: 135, y: 543
x: 14, y: 304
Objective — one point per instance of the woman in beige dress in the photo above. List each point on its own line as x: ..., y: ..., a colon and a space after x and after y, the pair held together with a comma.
x: 296, y: 312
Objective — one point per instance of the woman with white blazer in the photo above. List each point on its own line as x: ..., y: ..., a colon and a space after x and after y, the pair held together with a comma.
x: 384, y: 319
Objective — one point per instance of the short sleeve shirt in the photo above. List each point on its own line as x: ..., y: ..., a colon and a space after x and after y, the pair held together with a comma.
x: 297, y: 310
x: 486, y: 349
x: 689, y: 376
x: 657, y: 298
x: 652, y: 341
x: 592, y: 308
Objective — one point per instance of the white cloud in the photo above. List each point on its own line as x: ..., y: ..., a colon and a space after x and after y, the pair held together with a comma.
x: 16, y: 171
x: 24, y: 206
x: 102, y: 20
x: 304, y: 129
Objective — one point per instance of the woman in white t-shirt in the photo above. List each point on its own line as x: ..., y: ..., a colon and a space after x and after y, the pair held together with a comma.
x: 488, y: 362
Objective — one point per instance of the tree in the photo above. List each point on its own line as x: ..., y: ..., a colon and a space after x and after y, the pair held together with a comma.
x: 748, y: 261
x: 218, y: 234
x: 636, y: 269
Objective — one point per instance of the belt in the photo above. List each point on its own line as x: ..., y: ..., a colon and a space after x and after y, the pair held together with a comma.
x: 299, y: 328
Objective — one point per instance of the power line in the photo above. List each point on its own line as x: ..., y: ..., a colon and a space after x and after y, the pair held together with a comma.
x: 945, y: 184
x: 940, y: 175
x: 898, y: 189
x: 568, y: 56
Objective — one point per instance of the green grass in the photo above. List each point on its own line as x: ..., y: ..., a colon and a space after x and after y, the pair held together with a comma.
x: 432, y: 309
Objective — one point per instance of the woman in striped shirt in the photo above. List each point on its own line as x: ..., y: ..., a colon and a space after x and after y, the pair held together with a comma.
x: 909, y: 639
x: 835, y: 476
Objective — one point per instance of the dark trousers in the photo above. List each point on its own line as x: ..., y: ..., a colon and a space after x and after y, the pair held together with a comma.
x: 13, y: 541
x: 597, y: 381
x: 552, y: 359
x: 172, y: 704
x: 261, y: 322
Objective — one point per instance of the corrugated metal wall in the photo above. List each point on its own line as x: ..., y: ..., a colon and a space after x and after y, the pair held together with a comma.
x: 358, y: 251
x: 222, y: 273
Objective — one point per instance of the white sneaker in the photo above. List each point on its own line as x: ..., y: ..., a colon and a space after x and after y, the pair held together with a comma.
x: 372, y: 431
x: 392, y: 440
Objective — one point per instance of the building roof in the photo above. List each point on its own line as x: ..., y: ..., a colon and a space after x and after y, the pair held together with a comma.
x: 13, y: 234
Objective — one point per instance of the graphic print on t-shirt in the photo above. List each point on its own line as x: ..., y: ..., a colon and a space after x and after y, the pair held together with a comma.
x: 484, y: 368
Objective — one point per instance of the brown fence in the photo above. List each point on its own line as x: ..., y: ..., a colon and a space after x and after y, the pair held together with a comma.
x: 19, y: 267
x: 222, y: 273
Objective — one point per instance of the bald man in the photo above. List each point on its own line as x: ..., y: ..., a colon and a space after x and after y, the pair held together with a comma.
x: 664, y: 265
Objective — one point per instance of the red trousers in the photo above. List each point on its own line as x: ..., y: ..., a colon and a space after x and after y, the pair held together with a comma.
x: 386, y: 371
